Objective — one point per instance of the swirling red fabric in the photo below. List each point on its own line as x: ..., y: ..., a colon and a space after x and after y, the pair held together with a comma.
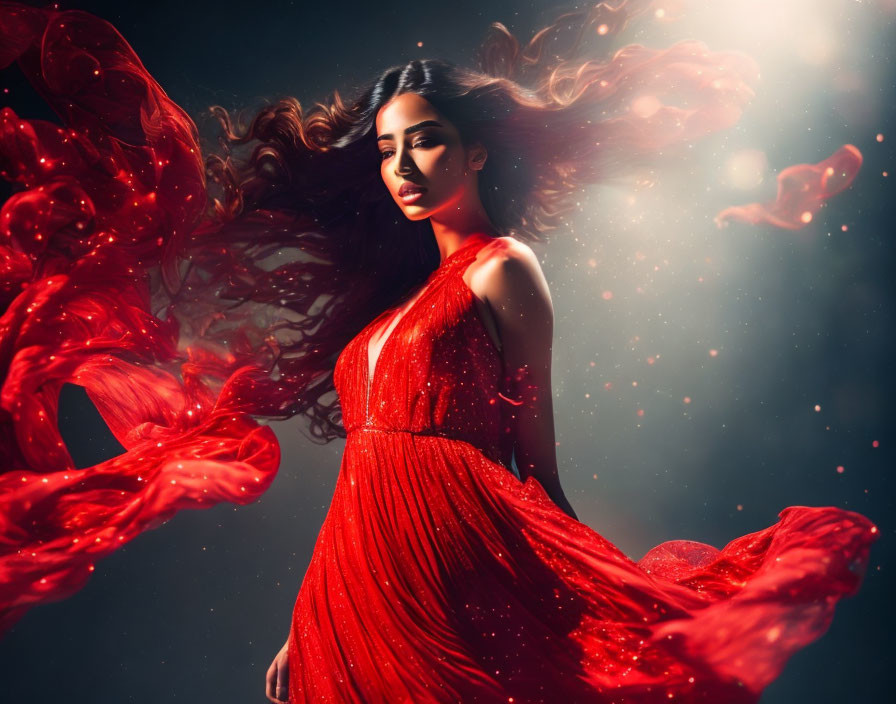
x: 101, y: 202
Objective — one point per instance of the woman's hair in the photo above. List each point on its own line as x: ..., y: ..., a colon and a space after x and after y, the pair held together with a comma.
x: 185, y: 306
x: 311, y: 185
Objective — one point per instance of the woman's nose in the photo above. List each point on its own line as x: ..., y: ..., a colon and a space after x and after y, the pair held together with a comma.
x: 403, y: 165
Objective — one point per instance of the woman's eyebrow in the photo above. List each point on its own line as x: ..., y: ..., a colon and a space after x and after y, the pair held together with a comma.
x: 413, y: 128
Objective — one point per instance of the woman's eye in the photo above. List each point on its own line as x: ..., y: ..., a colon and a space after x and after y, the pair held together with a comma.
x: 422, y: 143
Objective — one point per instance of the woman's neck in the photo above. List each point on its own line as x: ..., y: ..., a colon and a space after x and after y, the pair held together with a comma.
x: 450, y: 236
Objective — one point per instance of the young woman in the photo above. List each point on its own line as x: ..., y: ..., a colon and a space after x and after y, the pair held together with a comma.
x: 450, y: 566
x: 438, y: 575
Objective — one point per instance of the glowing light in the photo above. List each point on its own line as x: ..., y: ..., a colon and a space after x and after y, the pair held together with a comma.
x: 745, y: 168
x: 815, y: 43
x: 645, y: 105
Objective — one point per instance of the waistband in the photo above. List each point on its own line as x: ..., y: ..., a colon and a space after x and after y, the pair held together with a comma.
x: 491, y: 453
x: 407, y: 431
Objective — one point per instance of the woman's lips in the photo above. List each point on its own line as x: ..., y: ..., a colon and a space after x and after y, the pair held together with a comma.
x: 412, y: 195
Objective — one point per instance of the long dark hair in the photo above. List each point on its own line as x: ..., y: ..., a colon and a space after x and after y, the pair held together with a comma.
x: 309, y: 182
x: 194, y: 294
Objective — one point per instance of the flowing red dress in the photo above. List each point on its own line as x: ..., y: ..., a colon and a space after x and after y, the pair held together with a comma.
x: 438, y: 576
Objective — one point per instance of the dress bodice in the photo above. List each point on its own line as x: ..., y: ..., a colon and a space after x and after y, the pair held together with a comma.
x: 438, y: 371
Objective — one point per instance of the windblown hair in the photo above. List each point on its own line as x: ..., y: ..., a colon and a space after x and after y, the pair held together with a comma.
x: 190, y: 308
x: 312, y: 184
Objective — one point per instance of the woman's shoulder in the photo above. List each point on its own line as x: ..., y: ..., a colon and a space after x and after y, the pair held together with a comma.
x: 508, y: 256
x: 508, y: 248
x: 504, y: 265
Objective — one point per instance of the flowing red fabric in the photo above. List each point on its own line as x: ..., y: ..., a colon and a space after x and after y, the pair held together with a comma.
x: 802, y: 192
x: 100, y: 208
x: 438, y: 576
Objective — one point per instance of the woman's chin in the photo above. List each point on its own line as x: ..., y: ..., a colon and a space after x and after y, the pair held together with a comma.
x: 414, y: 212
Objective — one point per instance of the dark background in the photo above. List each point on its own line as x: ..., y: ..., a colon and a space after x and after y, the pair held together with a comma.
x: 196, y: 609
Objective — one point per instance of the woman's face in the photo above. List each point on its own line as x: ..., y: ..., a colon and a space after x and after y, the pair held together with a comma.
x: 420, y: 150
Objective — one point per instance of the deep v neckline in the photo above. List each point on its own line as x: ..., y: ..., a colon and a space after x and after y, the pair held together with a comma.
x: 370, y: 373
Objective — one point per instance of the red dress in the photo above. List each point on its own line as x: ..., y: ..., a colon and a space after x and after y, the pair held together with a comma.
x: 438, y: 576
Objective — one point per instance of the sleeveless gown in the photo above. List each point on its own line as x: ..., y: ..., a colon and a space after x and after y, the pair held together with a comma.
x: 439, y: 576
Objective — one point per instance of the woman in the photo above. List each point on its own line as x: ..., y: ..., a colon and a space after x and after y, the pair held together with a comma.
x: 438, y: 575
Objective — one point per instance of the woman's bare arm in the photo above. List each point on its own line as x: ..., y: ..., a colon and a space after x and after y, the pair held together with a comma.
x: 517, y: 292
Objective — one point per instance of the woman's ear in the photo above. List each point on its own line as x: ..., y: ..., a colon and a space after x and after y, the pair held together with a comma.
x: 477, y: 156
